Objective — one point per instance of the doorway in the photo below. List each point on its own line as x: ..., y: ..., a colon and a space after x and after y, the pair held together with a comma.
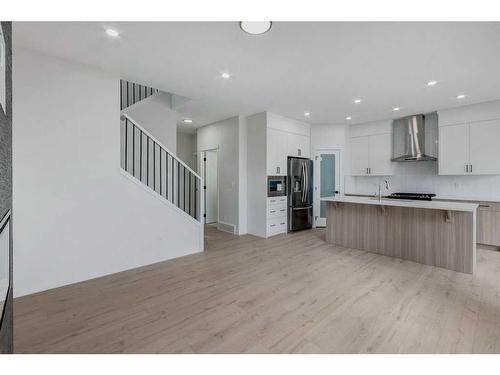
x: 326, y: 181
x: 210, y: 176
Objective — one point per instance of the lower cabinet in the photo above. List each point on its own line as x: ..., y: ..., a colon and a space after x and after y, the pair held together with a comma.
x: 276, y: 215
x: 488, y: 224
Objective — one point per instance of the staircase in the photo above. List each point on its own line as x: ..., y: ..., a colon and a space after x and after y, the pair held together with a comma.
x: 154, y: 165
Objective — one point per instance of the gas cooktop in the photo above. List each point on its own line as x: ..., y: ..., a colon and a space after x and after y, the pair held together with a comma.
x: 412, y: 196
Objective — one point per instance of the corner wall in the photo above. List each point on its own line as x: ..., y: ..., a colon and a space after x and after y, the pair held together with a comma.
x: 78, y: 216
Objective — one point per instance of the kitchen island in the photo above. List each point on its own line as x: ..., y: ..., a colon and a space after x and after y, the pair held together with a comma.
x: 437, y: 233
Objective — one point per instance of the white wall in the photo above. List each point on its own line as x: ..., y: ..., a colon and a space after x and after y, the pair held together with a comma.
x: 156, y: 117
x: 77, y: 215
x: 186, y: 149
x: 223, y: 135
x: 422, y: 177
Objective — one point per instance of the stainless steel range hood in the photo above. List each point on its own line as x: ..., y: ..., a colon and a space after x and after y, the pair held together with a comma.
x: 414, y: 138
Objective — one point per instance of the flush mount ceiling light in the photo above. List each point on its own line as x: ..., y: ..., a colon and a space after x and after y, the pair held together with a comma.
x: 395, y: 109
x: 357, y: 101
x: 307, y: 114
x: 187, y: 121
x: 348, y: 118
x: 256, y: 27
x: 225, y: 75
x: 112, y: 32
x: 431, y: 83
x: 461, y: 96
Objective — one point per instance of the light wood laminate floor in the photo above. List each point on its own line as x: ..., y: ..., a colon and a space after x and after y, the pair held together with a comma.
x: 288, y: 294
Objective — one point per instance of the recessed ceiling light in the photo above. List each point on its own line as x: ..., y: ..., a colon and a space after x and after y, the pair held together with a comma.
x: 357, y: 101
x: 307, y: 114
x: 395, y: 109
x: 348, y: 118
x: 256, y: 27
x: 187, y: 121
x: 112, y: 32
x: 461, y: 96
x: 431, y: 83
x: 225, y: 75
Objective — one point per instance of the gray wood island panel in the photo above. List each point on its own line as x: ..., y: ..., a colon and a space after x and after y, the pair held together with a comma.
x: 439, y: 235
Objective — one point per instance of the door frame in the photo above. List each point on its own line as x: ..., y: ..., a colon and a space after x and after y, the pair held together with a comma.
x: 316, y: 178
x: 202, y: 162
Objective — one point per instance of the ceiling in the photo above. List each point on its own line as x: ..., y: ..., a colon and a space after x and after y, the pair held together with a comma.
x: 318, y: 67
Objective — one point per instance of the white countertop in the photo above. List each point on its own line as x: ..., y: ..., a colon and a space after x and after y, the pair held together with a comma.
x: 477, y: 198
x: 433, y: 205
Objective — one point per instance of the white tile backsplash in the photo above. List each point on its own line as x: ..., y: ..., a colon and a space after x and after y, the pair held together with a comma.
x: 422, y: 177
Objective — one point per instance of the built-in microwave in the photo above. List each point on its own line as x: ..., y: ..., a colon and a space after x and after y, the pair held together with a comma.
x: 276, y: 186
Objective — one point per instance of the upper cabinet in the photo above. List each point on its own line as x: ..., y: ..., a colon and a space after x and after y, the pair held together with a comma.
x: 469, y: 149
x: 298, y: 145
x: 371, y: 155
x: 285, y: 137
x: 276, y: 152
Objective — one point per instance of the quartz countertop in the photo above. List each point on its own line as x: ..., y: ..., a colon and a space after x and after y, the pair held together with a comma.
x: 434, y: 205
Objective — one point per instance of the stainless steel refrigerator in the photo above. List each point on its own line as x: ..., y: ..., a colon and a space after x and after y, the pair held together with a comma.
x: 300, y: 193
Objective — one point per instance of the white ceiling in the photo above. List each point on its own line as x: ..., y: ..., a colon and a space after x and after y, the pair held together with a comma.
x: 319, y: 67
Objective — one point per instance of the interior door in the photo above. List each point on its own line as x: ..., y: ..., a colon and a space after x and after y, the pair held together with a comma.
x: 326, y: 181
x: 210, y: 169
x: 483, y: 147
x: 360, y: 156
x: 453, y: 149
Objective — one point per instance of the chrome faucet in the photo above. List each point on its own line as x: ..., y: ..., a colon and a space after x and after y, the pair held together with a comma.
x: 387, y: 187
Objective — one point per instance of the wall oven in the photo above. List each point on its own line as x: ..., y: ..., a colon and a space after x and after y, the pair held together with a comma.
x: 276, y: 186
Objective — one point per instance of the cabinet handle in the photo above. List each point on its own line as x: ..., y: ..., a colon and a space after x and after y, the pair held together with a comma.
x: 273, y: 225
x: 471, y: 168
x: 466, y: 168
x: 299, y: 151
x: 278, y: 170
x: 272, y: 211
x: 366, y: 170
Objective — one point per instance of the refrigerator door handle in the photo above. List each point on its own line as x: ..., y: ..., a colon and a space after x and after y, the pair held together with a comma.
x: 301, y: 208
x: 307, y: 182
x: 302, y: 180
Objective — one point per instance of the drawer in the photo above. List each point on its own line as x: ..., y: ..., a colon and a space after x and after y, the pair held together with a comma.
x: 276, y: 210
x: 276, y: 200
x: 276, y: 225
x: 489, y: 206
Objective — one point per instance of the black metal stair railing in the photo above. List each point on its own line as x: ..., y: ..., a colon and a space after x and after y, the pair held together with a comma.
x: 151, y: 163
x: 131, y: 93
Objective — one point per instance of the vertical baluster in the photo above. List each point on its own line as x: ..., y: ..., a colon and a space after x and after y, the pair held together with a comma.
x: 190, y: 177
x: 166, y: 175
x: 126, y: 143
x: 140, y: 157
x: 173, y: 192
x: 154, y: 165
x: 160, y: 169
x: 195, y: 196
x: 178, y: 175
x: 133, y: 149
x: 147, y: 161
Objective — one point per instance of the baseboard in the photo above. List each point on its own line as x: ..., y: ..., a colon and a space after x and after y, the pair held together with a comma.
x: 226, y: 227
x: 488, y: 247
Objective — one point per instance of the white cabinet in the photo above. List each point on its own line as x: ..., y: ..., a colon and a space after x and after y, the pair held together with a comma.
x: 276, y: 152
x: 453, y: 155
x: 298, y: 145
x: 371, y: 155
x: 484, y: 147
x: 360, y: 159
x: 276, y: 215
x: 470, y: 149
x: 280, y: 145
